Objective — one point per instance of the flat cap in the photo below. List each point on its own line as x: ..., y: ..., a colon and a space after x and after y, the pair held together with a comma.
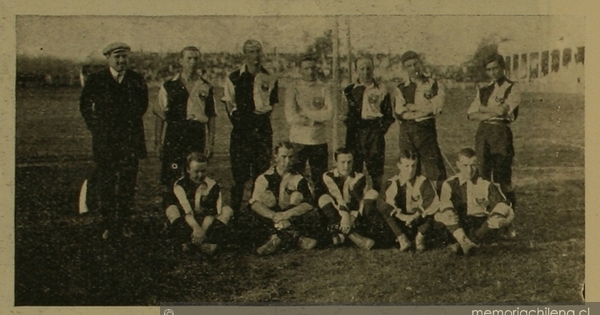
x: 115, y: 47
x: 494, y: 57
x: 408, y: 56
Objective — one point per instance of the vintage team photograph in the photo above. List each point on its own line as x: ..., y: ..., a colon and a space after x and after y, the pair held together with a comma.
x: 296, y: 160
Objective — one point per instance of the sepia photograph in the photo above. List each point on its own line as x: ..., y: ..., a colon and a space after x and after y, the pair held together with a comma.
x: 299, y: 160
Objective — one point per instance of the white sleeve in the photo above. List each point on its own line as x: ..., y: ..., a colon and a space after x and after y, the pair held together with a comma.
x: 474, y: 108
x: 399, y: 102
x: 229, y: 92
x: 514, y: 99
x: 163, y: 100
x: 438, y: 101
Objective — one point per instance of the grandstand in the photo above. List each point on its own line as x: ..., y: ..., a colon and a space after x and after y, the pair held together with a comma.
x: 552, y: 62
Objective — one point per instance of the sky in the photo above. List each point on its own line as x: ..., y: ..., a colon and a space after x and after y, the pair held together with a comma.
x: 443, y: 39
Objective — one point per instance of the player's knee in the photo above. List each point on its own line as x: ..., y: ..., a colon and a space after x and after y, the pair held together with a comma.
x: 324, y: 200
x: 501, y: 216
x: 226, y: 214
x: 172, y: 213
x: 296, y: 198
x: 446, y: 217
x: 371, y: 195
x: 268, y: 199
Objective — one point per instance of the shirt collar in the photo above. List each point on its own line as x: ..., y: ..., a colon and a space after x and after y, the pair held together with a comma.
x: 499, y: 82
x: 178, y: 77
x: 336, y: 173
x: 374, y: 84
x: 462, y: 181
x: 244, y: 68
x: 410, y: 80
x: 115, y: 73
x: 403, y: 181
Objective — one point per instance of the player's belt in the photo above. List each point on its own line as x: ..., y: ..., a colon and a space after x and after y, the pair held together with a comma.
x: 418, y: 120
x: 366, y: 123
x: 497, y: 122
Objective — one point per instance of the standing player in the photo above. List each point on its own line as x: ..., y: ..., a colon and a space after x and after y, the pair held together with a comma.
x: 368, y: 118
x: 307, y: 109
x: 195, y: 210
x: 348, y: 205
x: 250, y: 94
x: 419, y: 101
x: 469, y: 202
x: 409, y: 203
x: 282, y: 205
x: 186, y: 105
x: 495, y: 106
x: 112, y: 103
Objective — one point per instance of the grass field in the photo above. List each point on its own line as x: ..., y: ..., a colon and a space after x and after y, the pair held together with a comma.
x: 60, y: 259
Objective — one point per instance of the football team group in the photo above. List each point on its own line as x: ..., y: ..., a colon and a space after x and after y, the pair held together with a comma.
x: 290, y: 206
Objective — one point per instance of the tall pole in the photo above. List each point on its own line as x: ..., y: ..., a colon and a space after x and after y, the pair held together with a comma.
x: 336, y: 86
x: 349, y: 50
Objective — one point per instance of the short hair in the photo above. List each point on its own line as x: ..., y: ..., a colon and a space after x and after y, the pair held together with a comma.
x: 283, y: 144
x: 341, y: 150
x: 466, y: 152
x: 499, y: 59
x: 196, y: 157
x: 249, y: 42
x: 364, y: 57
x: 188, y: 48
x: 408, y: 155
x: 409, y: 55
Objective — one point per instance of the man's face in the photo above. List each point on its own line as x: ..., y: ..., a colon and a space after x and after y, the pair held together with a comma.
x: 190, y: 61
x: 253, y: 54
x: 413, y: 67
x: 407, y: 168
x: 364, y: 67
x: 118, y: 61
x: 494, y: 71
x: 308, y: 70
x: 344, y: 164
x: 467, y: 167
x: 197, y: 171
x: 284, y: 158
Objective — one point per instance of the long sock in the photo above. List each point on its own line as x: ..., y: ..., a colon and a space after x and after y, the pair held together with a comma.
x: 180, y: 231
x: 482, y: 231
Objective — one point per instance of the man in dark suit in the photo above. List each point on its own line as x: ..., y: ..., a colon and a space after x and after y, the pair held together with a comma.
x: 112, y: 103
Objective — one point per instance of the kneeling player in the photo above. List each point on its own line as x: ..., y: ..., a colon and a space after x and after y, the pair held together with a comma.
x: 283, y: 206
x: 469, y: 202
x: 195, y: 212
x: 409, y: 203
x: 347, y: 200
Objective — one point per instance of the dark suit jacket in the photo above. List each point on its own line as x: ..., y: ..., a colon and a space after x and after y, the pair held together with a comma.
x: 113, y: 113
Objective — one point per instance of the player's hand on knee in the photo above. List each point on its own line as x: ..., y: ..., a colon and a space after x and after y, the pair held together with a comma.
x: 198, y: 236
x: 346, y: 224
x: 412, y: 219
x: 278, y: 216
x: 283, y: 224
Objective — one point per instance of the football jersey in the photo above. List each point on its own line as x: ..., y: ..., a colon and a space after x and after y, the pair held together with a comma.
x: 416, y: 195
x: 476, y: 197
x: 347, y: 191
x: 281, y: 186
x: 203, y: 199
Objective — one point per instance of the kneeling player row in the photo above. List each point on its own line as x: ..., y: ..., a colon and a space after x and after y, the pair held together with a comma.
x: 283, y: 208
